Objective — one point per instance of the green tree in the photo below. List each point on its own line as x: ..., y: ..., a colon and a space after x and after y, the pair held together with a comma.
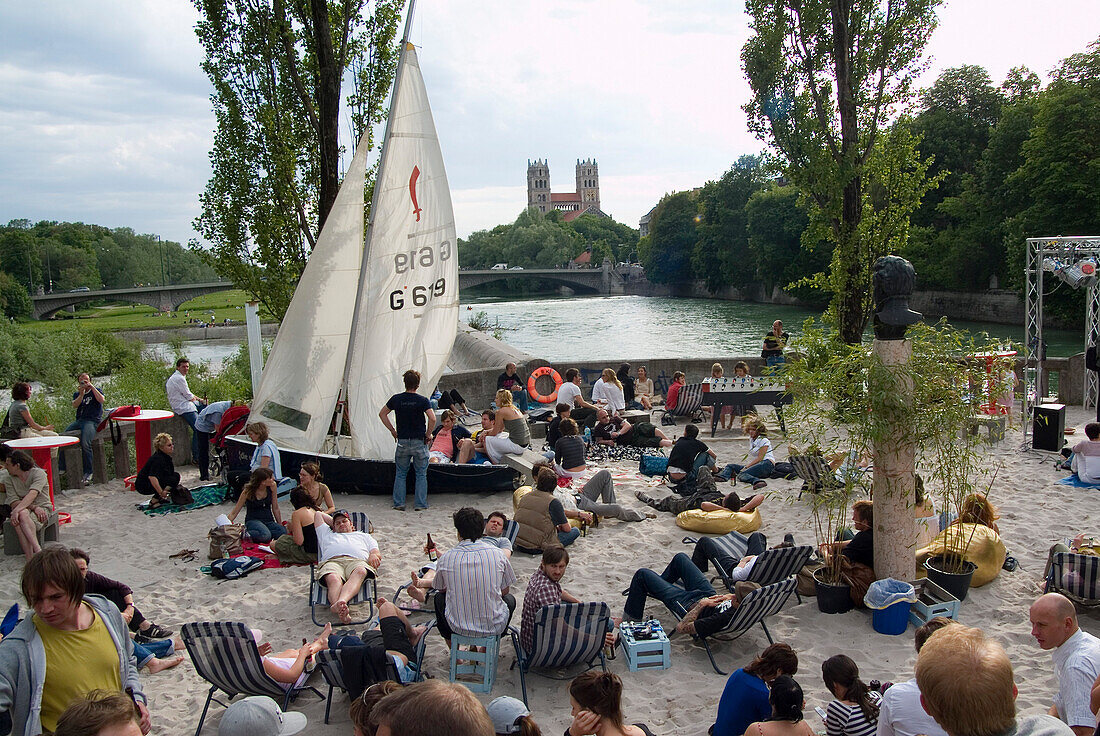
x: 666, y: 256
x: 722, y: 256
x: 825, y: 77
x: 277, y: 67
x: 14, y: 300
x: 19, y: 257
x: 775, y: 220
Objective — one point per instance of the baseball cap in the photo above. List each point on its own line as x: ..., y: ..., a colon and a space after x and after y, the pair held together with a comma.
x: 259, y: 715
x: 341, y: 512
x: 504, y: 712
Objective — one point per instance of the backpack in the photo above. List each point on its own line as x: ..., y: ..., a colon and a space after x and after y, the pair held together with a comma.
x: 232, y: 568
x: 653, y: 465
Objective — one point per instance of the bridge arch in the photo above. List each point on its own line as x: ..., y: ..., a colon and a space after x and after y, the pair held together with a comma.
x: 158, y: 297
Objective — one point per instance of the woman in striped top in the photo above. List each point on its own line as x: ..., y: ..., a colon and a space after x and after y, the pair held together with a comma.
x: 855, y: 710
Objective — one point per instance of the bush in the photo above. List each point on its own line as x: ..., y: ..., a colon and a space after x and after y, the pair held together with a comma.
x: 56, y: 358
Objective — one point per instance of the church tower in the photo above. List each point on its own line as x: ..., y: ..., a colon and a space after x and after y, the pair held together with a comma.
x: 588, y: 183
x: 538, y: 185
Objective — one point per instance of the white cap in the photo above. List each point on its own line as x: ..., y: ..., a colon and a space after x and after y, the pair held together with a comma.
x: 504, y: 712
x: 259, y: 715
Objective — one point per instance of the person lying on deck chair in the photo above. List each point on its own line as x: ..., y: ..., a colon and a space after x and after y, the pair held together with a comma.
x: 346, y: 558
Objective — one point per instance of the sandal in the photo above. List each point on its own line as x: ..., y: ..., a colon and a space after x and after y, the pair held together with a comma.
x: 184, y: 555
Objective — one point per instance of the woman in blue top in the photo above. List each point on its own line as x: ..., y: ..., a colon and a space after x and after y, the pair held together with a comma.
x: 745, y: 697
x: 262, y: 519
x: 266, y: 455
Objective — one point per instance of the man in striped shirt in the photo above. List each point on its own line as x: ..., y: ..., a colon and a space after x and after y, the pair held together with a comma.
x: 473, y: 581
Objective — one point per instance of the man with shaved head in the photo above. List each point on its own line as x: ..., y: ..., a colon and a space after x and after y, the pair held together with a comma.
x: 1076, y: 656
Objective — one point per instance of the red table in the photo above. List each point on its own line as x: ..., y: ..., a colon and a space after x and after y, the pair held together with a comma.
x: 42, y: 451
x: 143, y: 433
x: 991, y: 381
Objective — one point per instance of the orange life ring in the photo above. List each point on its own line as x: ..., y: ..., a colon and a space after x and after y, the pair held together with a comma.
x: 539, y: 373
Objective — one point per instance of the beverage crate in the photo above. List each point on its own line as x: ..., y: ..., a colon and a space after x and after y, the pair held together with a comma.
x: 932, y: 601
x: 645, y: 654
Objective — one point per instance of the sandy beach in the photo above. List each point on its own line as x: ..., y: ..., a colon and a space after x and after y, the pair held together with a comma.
x: 127, y: 545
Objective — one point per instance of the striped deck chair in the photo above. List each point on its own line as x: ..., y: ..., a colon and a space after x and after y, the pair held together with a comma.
x: 770, y: 567
x: 756, y: 606
x: 225, y: 655
x: 567, y: 634
x: 328, y: 661
x: 1075, y: 576
x: 689, y: 403
x: 815, y: 473
x: 318, y: 593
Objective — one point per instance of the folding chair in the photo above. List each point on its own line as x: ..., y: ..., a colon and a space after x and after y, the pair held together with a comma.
x: 1075, y: 576
x: 328, y: 661
x: 511, y: 531
x: 225, y: 655
x: 318, y: 593
x: 771, y: 566
x: 815, y: 473
x: 756, y: 606
x: 565, y: 635
x: 689, y: 403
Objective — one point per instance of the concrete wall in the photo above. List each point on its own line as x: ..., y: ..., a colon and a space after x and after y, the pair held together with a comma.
x: 474, y: 349
x: 216, y: 332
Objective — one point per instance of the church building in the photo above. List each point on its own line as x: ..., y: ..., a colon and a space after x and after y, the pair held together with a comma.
x: 586, y: 198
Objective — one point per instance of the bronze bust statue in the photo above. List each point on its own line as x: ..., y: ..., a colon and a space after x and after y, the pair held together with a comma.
x: 893, y: 279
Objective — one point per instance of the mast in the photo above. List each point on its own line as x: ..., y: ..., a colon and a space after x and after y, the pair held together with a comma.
x: 342, y: 398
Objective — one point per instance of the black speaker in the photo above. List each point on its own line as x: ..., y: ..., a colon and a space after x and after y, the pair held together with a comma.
x: 1048, y: 428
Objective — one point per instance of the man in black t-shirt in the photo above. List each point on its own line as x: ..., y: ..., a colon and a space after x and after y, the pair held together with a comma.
x: 689, y: 455
x: 610, y: 430
x: 510, y: 380
x: 857, y: 563
x: 413, y: 435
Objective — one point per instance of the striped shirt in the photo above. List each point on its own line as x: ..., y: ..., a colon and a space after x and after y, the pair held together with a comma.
x: 473, y: 574
x: 848, y: 720
x: 541, y: 591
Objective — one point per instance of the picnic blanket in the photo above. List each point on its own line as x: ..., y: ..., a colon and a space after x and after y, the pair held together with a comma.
x: 270, y: 560
x: 203, y: 496
x: 1073, y: 480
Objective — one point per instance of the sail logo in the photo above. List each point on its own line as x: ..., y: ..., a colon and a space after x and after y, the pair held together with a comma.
x: 412, y: 191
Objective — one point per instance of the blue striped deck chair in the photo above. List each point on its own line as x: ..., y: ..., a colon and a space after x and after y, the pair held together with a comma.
x: 689, y: 402
x: 225, y: 655
x: 755, y: 607
x: 565, y: 635
x: 318, y: 593
x: 1075, y: 576
x: 771, y: 566
x: 328, y: 661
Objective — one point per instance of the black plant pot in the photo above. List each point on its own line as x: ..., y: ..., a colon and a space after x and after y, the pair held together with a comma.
x: 957, y: 584
x: 832, y: 598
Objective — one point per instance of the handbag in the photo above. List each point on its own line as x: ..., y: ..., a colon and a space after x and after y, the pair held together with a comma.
x: 129, y: 410
x: 225, y: 541
x: 653, y: 465
x: 180, y: 496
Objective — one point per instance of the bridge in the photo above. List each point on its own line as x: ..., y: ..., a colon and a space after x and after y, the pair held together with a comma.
x: 607, y: 279
x: 163, y: 298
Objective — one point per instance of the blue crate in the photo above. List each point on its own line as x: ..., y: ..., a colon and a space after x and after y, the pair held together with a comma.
x: 647, y: 654
x: 932, y: 601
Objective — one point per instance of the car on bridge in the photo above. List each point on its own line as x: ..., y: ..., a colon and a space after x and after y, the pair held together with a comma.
x: 516, y: 268
x: 79, y: 288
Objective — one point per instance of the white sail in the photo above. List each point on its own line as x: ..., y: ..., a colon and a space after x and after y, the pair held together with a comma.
x: 408, y: 311
x: 301, y: 380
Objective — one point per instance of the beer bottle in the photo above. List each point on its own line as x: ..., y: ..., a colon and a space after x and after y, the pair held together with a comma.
x: 433, y: 553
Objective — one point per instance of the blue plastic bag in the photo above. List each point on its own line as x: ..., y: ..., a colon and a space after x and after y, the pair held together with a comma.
x: 888, y: 591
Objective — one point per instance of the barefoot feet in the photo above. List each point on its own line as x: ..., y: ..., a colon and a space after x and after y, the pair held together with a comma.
x: 156, y: 665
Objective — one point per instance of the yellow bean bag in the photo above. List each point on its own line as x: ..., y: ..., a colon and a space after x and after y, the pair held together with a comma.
x: 523, y: 491
x: 986, y: 550
x: 719, y: 522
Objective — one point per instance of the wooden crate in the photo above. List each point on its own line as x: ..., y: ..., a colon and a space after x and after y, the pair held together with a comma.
x: 932, y: 601
x: 648, y: 654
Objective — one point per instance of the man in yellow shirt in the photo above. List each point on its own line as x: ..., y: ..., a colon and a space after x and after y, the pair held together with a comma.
x: 71, y: 645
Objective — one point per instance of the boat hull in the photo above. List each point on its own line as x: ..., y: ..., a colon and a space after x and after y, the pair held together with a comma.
x: 375, y: 477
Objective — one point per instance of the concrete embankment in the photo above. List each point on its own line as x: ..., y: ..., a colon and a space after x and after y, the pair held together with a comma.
x: 214, y: 332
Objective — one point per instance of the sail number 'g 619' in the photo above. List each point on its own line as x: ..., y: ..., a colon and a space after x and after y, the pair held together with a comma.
x: 419, y: 294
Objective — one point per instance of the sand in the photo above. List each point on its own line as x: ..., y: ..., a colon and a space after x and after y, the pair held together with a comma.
x: 129, y: 546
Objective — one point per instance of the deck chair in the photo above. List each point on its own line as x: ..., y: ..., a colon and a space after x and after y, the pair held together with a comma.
x: 772, y: 566
x: 815, y: 473
x: 1075, y: 576
x: 225, y: 655
x: 567, y: 634
x: 318, y: 593
x: 756, y: 606
x: 328, y: 661
x: 689, y: 403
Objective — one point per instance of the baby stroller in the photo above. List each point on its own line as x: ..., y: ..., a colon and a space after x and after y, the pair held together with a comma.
x: 233, y: 422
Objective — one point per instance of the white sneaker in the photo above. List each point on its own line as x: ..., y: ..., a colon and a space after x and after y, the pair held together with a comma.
x: 88, y: 479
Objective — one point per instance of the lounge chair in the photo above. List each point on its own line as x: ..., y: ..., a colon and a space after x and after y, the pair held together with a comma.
x: 756, y: 606
x: 689, y: 402
x: 565, y: 635
x: 1075, y: 576
x: 225, y: 655
x: 328, y: 661
x: 815, y: 472
x: 318, y: 593
x: 771, y: 566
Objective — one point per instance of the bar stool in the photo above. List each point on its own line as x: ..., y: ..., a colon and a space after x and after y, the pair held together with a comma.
x: 482, y: 665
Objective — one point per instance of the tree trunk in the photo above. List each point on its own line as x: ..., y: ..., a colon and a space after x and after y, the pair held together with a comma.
x: 894, y: 456
x: 328, y: 110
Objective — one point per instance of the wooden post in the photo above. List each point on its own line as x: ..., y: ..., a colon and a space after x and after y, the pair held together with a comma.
x: 895, y: 455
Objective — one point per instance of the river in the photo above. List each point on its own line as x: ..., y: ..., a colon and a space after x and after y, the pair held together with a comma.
x: 615, y: 327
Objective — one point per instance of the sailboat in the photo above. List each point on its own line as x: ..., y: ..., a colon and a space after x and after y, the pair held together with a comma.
x: 371, y: 303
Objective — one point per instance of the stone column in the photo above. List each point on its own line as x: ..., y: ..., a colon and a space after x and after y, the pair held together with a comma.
x: 894, y: 455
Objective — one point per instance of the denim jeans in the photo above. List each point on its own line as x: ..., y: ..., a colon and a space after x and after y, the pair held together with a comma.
x: 263, y: 532
x: 190, y: 417
x: 706, y: 550
x: 760, y: 471
x: 663, y: 587
x: 567, y: 538
x: 519, y: 398
x: 87, y: 434
x: 159, y: 649
x: 415, y: 453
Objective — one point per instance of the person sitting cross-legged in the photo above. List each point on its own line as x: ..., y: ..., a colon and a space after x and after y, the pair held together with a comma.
x: 451, y: 441
x: 685, y: 590
x: 543, y: 520
x: 544, y: 589
x: 761, y: 461
x: 473, y: 581
x: 347, y: 557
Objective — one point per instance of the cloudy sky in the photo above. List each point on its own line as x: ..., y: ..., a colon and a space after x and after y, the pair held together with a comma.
x: 105, y: 117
